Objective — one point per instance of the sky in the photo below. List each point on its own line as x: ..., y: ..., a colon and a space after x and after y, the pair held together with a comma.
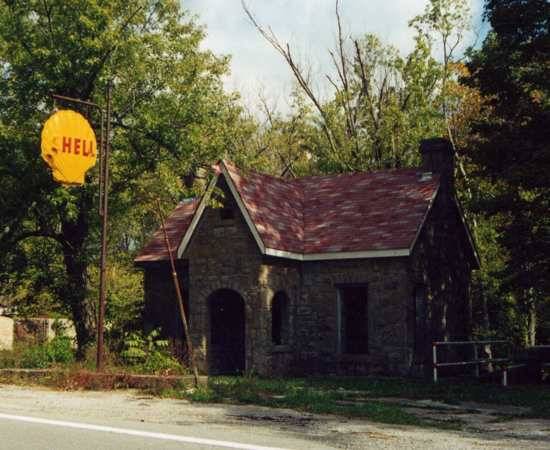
x: 309, y: 27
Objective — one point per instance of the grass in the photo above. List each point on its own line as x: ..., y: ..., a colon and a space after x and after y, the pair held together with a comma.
x: 453, y: 391
x: 348, y: 396
x: 362, y: 396
x: 296, y: 394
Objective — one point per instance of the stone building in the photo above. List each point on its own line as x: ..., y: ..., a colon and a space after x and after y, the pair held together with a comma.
x: 345, y: 274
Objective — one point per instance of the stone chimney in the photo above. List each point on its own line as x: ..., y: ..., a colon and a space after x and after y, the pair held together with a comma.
x: 438, y: 157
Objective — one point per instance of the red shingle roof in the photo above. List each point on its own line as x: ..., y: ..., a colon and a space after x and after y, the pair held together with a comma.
x: 176, y: 226
x: 364, y: 211
x: 358, y: 212
x: 275, y: 205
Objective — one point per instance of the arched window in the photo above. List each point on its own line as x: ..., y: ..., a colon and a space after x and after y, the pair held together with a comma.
x: 280, y: 319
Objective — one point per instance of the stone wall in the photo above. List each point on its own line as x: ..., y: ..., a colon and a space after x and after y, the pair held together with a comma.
x: 42, y: 329
x: 388, y: 293
x: 442, y: 262
x: 223, y: 254
x: 278, y: 275
x: 6, y: 333
x: 161, y: 309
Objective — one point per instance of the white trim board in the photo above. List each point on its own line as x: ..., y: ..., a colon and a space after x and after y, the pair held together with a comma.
x: 202, y: 205
x: 243, y: 209
x: 337, y: 255
x: 196, y: 217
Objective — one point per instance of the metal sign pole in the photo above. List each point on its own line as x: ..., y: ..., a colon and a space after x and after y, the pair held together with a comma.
x: 105, y: 145
x: 103, y: 212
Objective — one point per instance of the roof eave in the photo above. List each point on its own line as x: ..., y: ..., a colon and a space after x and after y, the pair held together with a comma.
x: 204, y: 202
x: 328, y: 256
x: 469, y: 234
x: 196, y: 216
x: 426, y: 214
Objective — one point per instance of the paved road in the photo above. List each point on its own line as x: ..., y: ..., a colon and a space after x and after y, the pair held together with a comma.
x: 24, y: 432
x: 33, y: 418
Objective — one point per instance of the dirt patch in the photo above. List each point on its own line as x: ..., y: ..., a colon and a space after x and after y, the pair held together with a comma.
x: 285, y: 419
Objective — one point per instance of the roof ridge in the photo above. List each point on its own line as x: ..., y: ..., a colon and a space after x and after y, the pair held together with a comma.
x: 323, y: 175
x: 392, y: 170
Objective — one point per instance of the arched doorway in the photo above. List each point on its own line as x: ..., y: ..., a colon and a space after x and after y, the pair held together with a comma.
x: 226, y: 352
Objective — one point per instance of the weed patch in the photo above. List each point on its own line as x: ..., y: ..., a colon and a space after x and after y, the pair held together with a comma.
x: 298, y: 395
x: 363, y: 396
x: 58, y: 351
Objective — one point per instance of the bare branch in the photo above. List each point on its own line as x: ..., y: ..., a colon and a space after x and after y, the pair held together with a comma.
x: 303, y: 82
x: 365, y: 81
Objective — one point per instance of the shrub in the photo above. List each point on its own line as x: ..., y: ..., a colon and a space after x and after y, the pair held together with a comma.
x: 149, y: 353
x: 41, y: 356
x: 60, y: 350
x: 35, y: 357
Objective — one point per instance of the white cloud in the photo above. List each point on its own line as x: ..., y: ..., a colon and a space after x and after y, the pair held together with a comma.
x: 308, y: 25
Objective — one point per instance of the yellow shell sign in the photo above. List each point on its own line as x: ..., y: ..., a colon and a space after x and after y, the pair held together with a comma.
x: 68, y: 146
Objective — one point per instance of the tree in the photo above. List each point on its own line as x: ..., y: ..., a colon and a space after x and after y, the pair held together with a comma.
x: 169, y: 111
x: 445, y: 21
x: 511, y: 146
x: 282, y: 145
x: 382, y: 103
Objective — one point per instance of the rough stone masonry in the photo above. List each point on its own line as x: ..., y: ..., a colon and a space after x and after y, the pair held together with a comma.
x: 346, y: 274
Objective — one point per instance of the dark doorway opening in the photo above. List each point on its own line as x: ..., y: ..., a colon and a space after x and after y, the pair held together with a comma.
x: 227, y: 333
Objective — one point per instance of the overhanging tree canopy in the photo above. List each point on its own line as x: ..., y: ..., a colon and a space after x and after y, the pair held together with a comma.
x: 169, y: 111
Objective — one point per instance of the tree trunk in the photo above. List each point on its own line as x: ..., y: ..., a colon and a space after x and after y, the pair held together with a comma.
x: 76, y: 299
x: 531, y: 324
x: 76, y: 265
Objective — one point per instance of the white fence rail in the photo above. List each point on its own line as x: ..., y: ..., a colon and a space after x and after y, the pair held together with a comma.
x: 504, y: 363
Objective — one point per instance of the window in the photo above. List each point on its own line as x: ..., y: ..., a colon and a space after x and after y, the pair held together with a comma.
x: 352, y: 319
x: 420, y: 321
x: 279, y: 319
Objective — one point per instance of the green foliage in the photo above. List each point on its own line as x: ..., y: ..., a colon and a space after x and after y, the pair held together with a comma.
x: 149, y: 353
x: 383, y: 103
x: 511, y: 150
x: 170, y: 116
x: 32, y: 278
x: 41, y: 356
x: 124, y: 302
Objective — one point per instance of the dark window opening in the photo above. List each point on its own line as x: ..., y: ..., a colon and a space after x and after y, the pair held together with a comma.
x: 226, y: 213
x: 353, y: 319
x: 420, y: 321
x: 279, y: 319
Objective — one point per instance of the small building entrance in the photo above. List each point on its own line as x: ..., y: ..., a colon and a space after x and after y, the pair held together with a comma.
x: 227, y: 332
